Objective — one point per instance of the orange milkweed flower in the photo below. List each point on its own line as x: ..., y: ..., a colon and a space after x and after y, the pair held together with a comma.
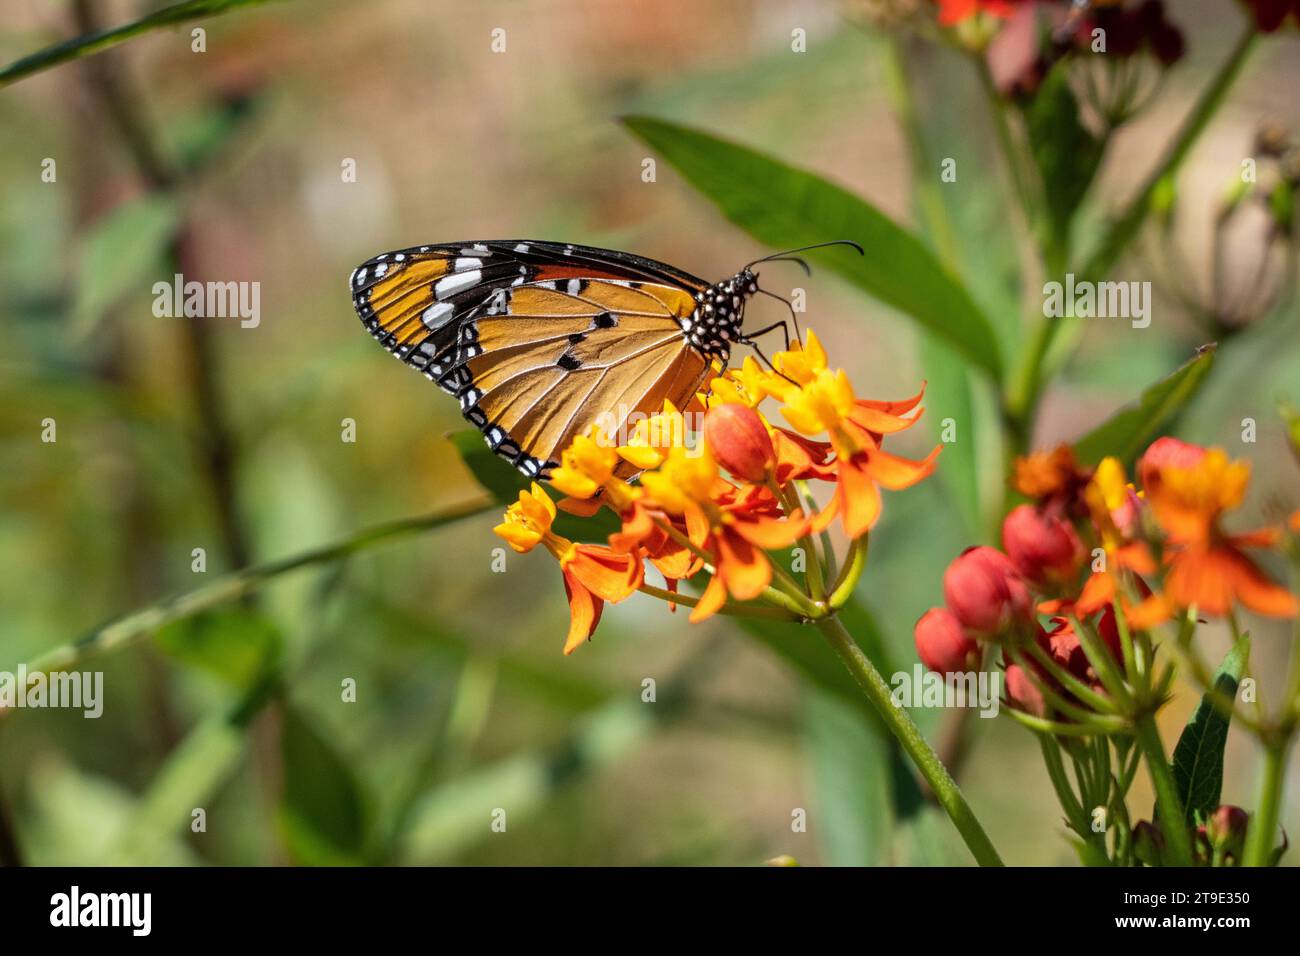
x: 1113, y: 505
x: 653, y: 437
x: 734, y: 526
x: 588, y: 468
x: 1053, y: 478
x: 1190, y: 489
x: 593, y: 574
x: 816, y: 401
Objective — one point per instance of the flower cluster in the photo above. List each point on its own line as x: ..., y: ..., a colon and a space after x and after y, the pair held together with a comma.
x: 723, y: 506
x: 1091, y: 565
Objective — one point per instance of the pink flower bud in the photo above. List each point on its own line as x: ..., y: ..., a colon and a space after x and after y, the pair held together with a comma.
x: 942, y: 644
x: 738, y: 440
x: 982, y: 588
x: 1226, y: 827
x: 1042, y: 547
x: 1022, y: 693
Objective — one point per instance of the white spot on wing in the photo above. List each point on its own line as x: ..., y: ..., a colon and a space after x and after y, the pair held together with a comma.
x: 448, y: 286
x: 436, y: 316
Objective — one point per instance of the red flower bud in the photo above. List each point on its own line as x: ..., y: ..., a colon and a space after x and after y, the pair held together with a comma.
x: 738, y: 440
x: 1226, y: 827
x: 1108, y: 630
x: 1042, y: 547
x: 942, y: 644
x: 981, y: 587
x: 1022, y: 693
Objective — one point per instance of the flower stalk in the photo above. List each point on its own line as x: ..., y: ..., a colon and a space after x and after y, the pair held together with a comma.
x: 901, y: 725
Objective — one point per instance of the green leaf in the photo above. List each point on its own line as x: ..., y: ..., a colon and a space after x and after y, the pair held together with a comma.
x: 809, y: 656
x: 1127, y: 433
x: 851, y: 768
x: 1198, y: 757
x: 784, y: 207
x: 1067, y: 154
x: 948, y: 395
x: 323, y: 812
x: 122, y: 251
x: 193, y: 773
x: 236, y: 644
x: 490, y: 470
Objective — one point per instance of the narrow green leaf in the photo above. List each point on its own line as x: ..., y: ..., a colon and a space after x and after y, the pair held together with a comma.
x: 95, y: 42
x: 784, y: 207
x: 850, y: 762
x: 1067, y: 154
x: 121, y: 253
x: 237, y: 644
x: 1198, y: 757
x: 492, y: 472
x: 504, y: 483
x: 323, y: 812
x: 191, y: 776
x: 1127, y: 433
x: 809, y: 656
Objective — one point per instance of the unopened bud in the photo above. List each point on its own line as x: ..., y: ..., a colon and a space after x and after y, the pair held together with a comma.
x: 739, y: 441
x: 942, y: 644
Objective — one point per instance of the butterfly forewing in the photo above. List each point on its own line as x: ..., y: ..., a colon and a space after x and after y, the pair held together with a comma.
x: 537, y: 340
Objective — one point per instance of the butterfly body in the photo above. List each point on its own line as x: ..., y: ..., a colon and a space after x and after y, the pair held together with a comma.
x: 540, y: 340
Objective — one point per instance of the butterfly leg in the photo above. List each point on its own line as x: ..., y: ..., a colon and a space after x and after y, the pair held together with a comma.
x: 785, y: 329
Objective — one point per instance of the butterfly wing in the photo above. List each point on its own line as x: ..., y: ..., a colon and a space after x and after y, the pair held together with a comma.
x: 537, y: 340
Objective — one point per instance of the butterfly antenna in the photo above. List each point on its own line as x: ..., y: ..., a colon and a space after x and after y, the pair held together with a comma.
x: 807, y: 269
x: 816, y: 245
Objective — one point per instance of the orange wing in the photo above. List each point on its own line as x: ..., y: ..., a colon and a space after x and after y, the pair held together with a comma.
x: 554, y: 363
x: 538, y: 340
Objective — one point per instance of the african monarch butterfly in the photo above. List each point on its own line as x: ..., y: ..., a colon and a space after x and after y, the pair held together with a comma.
x: 537, y: 339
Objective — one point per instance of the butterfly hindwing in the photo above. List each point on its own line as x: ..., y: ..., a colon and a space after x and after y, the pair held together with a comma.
x: 537, y: 340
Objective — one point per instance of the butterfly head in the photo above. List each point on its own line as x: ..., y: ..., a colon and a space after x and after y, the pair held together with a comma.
x: 715, y: 325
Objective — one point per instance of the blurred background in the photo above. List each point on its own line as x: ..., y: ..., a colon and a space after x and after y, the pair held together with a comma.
x: 176, y: 434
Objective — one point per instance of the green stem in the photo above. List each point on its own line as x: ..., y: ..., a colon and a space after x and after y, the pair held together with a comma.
x: 1127, y: 226
x: 90, y: 43
x: 1011, y: 154
x: 236, y: 584
x: 1098, y: 655
x: 781, y: 613
x: 816, y: 583
x: 900, y: 723
x: 1263, y: 826
x: 1173, y: 822
x: 1074, y: 811
x: 854, y: 562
